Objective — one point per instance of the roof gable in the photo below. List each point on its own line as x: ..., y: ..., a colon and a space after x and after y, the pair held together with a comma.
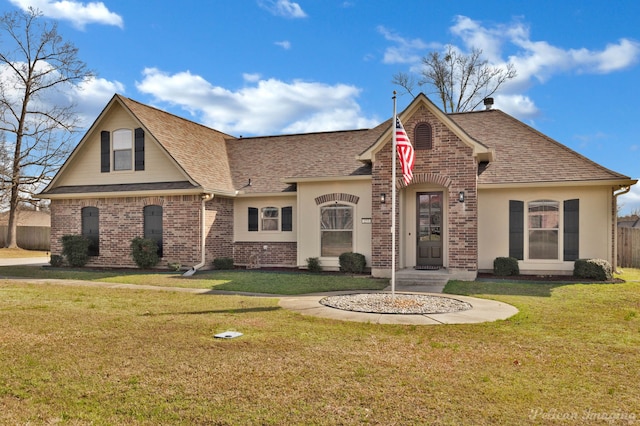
x: 197, y: 151
x: 480, y: 151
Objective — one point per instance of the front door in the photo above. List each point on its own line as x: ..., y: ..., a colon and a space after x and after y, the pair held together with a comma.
x: 429, y: 232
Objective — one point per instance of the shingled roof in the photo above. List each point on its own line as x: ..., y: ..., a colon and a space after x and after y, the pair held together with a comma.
x: 220, y: 163
x: 199, y: 150
x: 269, y: 161
x: 524, y: 155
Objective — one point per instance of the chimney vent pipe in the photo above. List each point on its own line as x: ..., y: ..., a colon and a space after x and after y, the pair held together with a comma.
x: 488, y: 103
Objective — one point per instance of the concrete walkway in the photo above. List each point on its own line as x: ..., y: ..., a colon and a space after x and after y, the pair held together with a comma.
x: 484, y: 310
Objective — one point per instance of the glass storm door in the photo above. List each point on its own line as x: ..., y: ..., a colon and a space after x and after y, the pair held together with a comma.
x: 429, y: 232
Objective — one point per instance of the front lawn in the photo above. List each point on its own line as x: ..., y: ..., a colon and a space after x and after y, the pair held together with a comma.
x: 74, y: 355
x: 238, y: 280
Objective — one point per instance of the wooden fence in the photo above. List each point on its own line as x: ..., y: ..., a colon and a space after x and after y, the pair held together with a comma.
x: 629, y: 247
x: 29, y: 237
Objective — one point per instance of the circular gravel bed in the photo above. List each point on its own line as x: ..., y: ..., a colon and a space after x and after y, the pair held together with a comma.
x: 386, y: 303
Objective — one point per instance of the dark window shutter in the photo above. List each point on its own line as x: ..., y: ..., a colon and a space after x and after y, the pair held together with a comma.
x: 253, y: 219
x: 287, y: 218
x: 139, y: 149
x: 422, y: 136
x: 153, y: 225
x: 91, y: 229
x: 571, y: 229
x: 105, y: 150
x: 516, y: 229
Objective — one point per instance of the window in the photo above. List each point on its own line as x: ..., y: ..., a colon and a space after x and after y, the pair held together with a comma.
x: 91, y: 229
x: 543, y: 229
x: 125, y: 157
x: 544, y: 221
x: 122, y: 149
x: 336, y: 230
x: 422, y: 136
x: 153, y: 225
x: 269, y: 219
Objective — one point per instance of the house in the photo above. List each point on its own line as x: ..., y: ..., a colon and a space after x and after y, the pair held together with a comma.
x: 485, y: 185
x: 631, y: 221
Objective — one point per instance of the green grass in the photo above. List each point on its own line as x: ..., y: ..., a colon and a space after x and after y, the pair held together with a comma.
x: 75, y: 356
x: 237, y: 281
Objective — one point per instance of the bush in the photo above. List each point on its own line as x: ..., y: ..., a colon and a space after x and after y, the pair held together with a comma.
x: 144, y: 252
x: 75, y: 248
x: 594, y: 269
x: 56, y: 260
x: 313, y: 264
x: 223, y: 263
x: 505, y: 266
x: 353, y: 263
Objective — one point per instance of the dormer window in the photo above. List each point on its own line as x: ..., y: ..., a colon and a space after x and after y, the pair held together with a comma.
x: 122, y: 149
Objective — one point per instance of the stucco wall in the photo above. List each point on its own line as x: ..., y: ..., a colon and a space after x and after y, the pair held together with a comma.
x: 311, y: 196
x: 594, y: 225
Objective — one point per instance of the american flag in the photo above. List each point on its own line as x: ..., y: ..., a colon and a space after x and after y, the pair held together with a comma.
x: 405, y: 152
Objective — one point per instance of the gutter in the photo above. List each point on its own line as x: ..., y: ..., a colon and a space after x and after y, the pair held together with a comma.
x: 205, y: 197
x: 623, y: 190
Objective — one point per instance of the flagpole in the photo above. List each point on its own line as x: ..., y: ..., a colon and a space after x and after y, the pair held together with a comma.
x: 393, y: 201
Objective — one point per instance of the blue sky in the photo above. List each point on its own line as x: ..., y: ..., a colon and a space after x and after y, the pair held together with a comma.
x: 262, y: 67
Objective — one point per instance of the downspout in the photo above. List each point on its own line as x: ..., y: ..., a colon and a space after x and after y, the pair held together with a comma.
x: 623, y: 191
x: 194, y: 268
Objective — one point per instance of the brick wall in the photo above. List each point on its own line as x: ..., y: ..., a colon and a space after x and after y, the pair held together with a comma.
x: 450, y: 163
x: 219, y: 226
x: 275, y: 254
x: 121, y: 219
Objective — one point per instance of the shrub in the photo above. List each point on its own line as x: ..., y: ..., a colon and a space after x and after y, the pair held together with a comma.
x: 504, y: 266
x: 594, y: 269
x: 75, y: 248
x: 144, y: 252
x: 313, y: 264
x: 352, y: 262
x: 223, y: 263
x: 56, y: 260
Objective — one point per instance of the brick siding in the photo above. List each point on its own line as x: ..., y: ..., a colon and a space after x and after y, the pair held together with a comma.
x: 121, y: 220
x: 450, y: 164
x: 275, y: 254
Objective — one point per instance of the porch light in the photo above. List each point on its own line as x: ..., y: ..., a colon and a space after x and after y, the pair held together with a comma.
x: 383, y: 198
x: 461, y: 196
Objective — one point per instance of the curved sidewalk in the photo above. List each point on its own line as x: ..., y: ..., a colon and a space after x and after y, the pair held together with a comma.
x: 484, y: 310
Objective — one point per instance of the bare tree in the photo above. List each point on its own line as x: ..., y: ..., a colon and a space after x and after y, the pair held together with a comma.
x: 460, y: 81
x: 38, y: 69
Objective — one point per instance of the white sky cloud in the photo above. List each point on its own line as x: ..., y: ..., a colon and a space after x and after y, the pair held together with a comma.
x: 285, y: 8
x: 405, y: 51
x: 285, y: 44
x: 267, y: 106
x: 78, y: 13
x: 630, y: 201
x: 535, y: 61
